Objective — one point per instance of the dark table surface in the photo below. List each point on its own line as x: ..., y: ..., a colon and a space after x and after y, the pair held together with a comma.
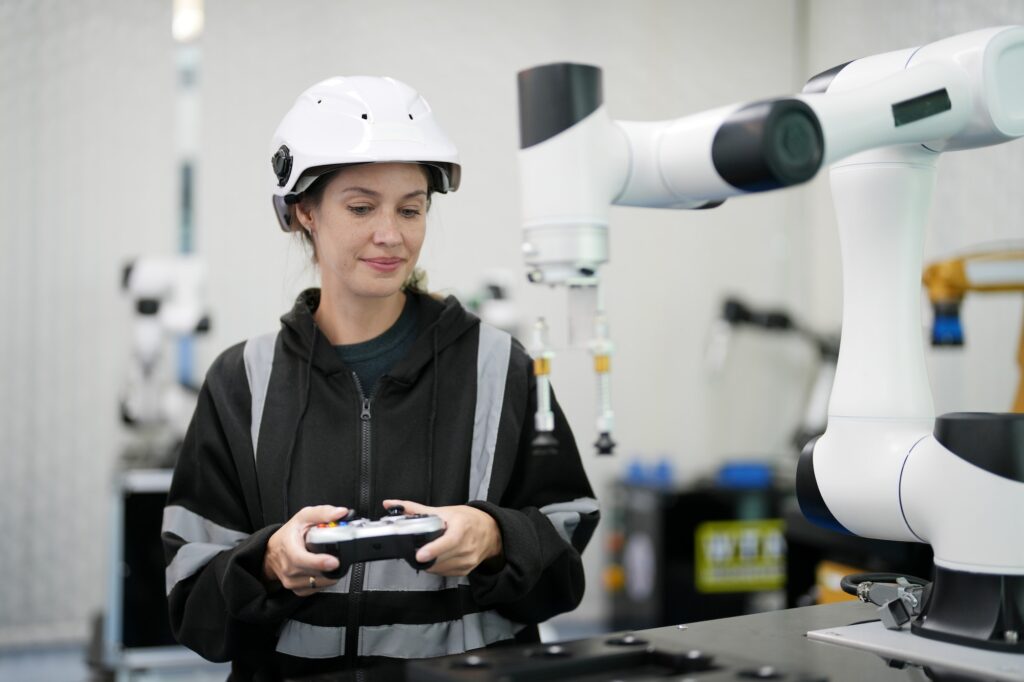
x: 738, y: 647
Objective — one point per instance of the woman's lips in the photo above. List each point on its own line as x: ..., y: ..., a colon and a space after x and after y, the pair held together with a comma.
x: 384, y: 264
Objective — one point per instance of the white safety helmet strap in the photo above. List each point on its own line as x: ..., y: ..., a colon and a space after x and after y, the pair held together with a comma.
x: 354, y: 120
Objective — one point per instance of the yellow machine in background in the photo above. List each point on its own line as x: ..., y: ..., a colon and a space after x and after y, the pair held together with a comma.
x: 948, y: 281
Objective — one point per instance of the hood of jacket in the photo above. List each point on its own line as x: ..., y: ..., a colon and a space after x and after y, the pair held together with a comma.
x: 439, y: 324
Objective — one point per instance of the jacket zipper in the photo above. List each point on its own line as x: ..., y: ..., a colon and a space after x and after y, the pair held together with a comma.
x: 356, y: 584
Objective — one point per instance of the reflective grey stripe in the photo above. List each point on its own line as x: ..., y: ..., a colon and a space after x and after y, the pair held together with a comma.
x: 565, y: 516
x: 189, y: 559
x: 203, y: 538
x: 472, y: 631
x: 493, y: 352
x: 400, y: 640
x: 394, y: 575
x: 192, y: 527
x: 342, y: 586
x: 311, y: 641
x: 259, y: 359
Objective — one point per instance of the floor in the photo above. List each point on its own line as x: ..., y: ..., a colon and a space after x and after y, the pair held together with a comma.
x: 68, y: 663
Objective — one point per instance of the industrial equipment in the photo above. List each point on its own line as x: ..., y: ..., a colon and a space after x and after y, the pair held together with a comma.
x: 881, y: 123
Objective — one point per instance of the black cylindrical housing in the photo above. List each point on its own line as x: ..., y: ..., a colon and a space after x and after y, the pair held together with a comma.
x: 808, y: 494
x: 555, y: 97
x: 768, y: 145
x: 993, y: 441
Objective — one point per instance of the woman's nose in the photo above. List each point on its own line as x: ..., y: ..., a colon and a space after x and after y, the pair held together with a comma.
x: 387, y: 232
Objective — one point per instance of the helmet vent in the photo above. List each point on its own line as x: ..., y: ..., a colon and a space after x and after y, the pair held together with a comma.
x: 365, y: 117
x: 319, y: 101
x: 410, y: 117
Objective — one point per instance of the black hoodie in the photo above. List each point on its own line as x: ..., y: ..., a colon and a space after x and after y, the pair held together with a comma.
x: 282, y: 424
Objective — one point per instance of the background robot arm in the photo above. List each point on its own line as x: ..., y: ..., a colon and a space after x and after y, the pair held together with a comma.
x: 169, y: 301
x: 949, y: 281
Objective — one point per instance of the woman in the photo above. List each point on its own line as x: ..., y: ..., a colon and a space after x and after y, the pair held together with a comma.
x: 371, y: 395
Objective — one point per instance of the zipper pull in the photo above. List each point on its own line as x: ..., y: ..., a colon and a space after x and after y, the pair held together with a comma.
x: 365, y: 414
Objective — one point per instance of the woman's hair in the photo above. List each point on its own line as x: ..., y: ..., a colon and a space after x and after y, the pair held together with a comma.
x: 314, y: 195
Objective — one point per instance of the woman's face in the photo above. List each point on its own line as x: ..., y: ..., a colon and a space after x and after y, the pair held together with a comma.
x: 369, y: 227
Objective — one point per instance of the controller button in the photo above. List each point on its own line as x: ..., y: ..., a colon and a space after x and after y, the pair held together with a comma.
x: 397, y: 510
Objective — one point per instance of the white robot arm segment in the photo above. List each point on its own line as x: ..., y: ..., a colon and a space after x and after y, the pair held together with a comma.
x: 575, y: 160
x: 881, y: 408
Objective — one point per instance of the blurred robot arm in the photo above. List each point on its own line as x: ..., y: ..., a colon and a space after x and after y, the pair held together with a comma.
x: 169, y: 301
x: 949, y: 281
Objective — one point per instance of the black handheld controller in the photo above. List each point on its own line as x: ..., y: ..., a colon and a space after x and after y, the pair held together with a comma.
x: 395, y: 536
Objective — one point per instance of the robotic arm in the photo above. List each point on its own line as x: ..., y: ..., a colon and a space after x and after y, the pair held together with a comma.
x: 168, y: 295
x: 575, y: 160
x: 881, y: 122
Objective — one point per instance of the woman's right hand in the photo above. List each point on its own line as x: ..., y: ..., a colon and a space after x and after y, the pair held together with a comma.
x: 287, y: 560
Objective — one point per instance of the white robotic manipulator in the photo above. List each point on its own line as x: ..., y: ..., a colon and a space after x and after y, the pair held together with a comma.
x: 885, y: 467
x: 169, y: 297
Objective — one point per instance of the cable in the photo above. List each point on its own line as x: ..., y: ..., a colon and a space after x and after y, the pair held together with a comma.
x: 849, y: 583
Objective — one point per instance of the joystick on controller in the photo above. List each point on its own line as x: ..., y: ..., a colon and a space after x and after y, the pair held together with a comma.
x: 395, y: 536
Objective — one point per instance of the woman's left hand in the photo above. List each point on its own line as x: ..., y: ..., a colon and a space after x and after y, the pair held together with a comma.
x: 471, y: 537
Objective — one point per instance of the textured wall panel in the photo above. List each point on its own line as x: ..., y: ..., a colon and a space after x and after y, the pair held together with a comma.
x: 87, y: 180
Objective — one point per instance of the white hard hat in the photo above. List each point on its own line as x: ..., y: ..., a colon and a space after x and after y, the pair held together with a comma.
x: 351, y: 120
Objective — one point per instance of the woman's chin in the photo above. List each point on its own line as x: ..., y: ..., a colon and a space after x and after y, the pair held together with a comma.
x: 379, y: 289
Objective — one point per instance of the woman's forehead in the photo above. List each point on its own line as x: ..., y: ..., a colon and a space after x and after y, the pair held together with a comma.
x: 381, y: 177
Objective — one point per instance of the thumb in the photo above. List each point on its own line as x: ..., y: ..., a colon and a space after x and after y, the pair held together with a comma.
x: 410, y: 507
x: 321, y: 513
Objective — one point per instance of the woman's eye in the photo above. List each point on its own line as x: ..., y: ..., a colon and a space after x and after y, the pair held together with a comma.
x: 410, y: 212
x: 359, y: 210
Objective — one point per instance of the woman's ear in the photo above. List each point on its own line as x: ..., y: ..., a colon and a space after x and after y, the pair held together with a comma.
x: 305, y: 217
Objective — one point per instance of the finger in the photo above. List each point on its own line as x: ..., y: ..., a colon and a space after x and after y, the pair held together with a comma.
x: 410, y: 507
x: 304, y: 561
x: 323, y: 513
x: 300, y: 584
x: 451, y: 566
x: 444, y: 545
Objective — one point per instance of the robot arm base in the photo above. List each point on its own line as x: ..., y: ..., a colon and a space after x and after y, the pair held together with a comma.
x: 962, y: 491
x: 974, y: 609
